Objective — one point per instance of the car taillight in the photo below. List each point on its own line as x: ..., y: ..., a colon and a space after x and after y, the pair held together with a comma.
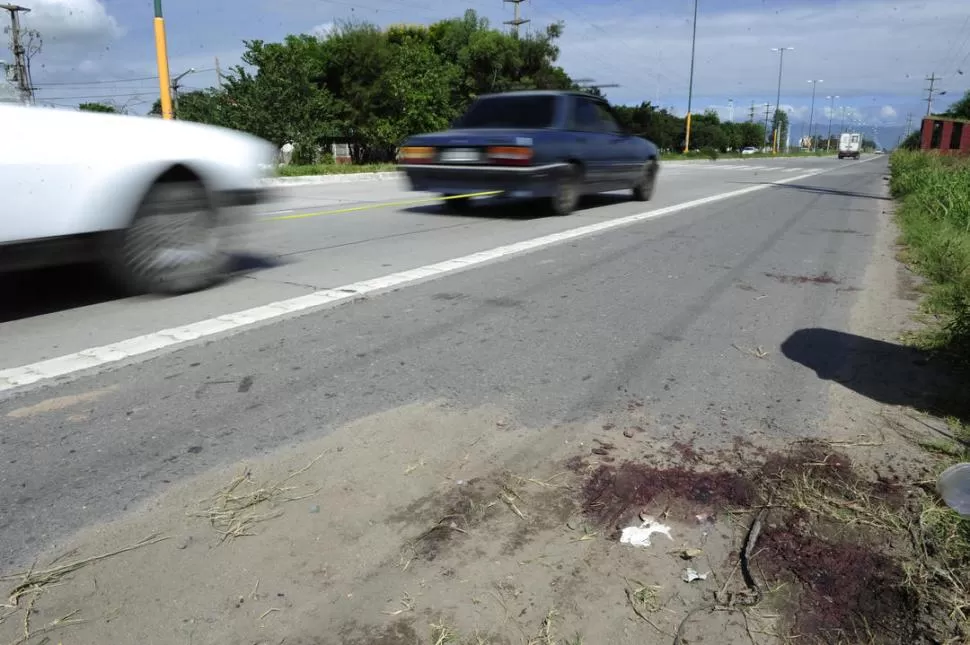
x: 413, y: 154
x: 510, y: 155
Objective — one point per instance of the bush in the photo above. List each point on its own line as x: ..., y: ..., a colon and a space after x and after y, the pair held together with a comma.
x: 934, y: 215
x: 710, y: 153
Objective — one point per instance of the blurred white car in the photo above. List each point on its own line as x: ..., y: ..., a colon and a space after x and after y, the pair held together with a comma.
x: 750, y: 150
x: 152, y: 200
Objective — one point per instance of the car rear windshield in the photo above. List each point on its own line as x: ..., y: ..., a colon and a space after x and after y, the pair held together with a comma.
x: 510, y: 112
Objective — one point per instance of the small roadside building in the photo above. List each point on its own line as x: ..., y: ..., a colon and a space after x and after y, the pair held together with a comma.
x: 945, y: 135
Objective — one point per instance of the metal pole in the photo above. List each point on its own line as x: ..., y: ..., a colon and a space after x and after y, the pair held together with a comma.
x: 811, y: 116
x: 781, y: 62
x: 828, y: 138
x: 161, y: 57
x: 690, y: 84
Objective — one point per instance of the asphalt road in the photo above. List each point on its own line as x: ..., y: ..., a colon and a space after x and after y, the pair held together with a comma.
x: 654, y: 310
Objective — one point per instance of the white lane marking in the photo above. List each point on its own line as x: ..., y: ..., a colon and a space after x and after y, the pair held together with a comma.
x: 95, y: 357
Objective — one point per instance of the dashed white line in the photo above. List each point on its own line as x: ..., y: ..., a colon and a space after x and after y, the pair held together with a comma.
x: 149, y: 344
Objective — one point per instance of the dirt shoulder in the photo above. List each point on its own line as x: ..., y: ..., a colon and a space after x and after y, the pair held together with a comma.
x: 434, y: 524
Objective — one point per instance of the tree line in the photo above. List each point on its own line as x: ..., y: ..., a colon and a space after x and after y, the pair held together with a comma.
x: 373, y: 87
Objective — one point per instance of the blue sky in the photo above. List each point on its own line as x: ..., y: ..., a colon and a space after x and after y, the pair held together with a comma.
x: 873, y: 54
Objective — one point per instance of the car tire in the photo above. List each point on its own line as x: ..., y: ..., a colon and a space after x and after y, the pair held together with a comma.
x: 174, y: 243
x: 456, y: 204
x: 566, y: 194
x: 643, y: 190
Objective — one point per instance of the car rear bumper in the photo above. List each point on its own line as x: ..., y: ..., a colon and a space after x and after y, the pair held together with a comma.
x: 525, y: 181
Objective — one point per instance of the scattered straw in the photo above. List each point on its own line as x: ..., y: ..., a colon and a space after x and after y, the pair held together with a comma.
x: 407, y: 604
x: 235, y: 510
x: 34, y: 581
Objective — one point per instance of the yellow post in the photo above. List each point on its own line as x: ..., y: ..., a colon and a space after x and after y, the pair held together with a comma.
x: 161, y: 55
x: 774, y: 144
x: 687, y: 137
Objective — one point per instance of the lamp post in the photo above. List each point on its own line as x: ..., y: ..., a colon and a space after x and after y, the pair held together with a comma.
x: 690, y: 85
x: 828, y: 138
x: 781, y: 62
x: 811, y: 115
x: 175, y: 90
x: 161, y: 56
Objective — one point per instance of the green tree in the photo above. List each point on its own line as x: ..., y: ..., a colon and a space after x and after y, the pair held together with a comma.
x: 98, y: 107
x: 961, y: 108
x: 779, y: 128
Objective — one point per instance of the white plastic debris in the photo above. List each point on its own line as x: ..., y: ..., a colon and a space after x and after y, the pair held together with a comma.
x: 690, y: 575
x: 640, y: 535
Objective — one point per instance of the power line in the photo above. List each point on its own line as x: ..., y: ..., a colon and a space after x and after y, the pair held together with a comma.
x: 93, y: 96
x: 111, y: 80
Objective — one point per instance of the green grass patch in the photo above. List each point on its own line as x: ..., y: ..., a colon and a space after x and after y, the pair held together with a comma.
x: 332, y: 169
x: 933, y: 212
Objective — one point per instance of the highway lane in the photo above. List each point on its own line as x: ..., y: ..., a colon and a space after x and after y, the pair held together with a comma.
x: 64, y: 311
x: 651, y: 311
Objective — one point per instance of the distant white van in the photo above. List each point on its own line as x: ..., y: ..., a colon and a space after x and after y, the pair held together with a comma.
x: 850, y: 145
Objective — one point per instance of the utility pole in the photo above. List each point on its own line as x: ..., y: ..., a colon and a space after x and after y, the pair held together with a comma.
x: 161, y: 57
x: 751, y: 113
x: 828, y: 138
x: 218, y: 73
x: 781, y: 62
x: 731, y: 110
x: 767, y: 112
x: 690, y: 83
x: 932, y: 78
x: 811, y: 115
x: 515, y: 22
x: 909, y: 123
x: 20, y: 66
x: 842, y: 127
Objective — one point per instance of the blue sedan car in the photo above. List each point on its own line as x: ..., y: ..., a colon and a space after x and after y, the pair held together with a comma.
x: 549, y: 145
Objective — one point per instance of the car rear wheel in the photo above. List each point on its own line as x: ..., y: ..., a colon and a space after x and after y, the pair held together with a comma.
x: 457, y: 204
x: 643, y: 190
x: 566, y: 194
x: 174, y: 243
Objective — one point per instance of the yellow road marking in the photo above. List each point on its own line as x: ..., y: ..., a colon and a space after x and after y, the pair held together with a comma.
x: 409, y: 202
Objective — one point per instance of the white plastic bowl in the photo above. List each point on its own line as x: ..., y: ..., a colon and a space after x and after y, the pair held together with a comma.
x: 954, y: 487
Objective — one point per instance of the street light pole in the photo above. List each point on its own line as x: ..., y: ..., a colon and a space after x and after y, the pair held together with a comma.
x: 175, y: 90
x: 781, y: 62
x: 161, y: 56
x: 828, y: 138
x: 811, y: 115
x: 842, y: 128
x: 690, y: 85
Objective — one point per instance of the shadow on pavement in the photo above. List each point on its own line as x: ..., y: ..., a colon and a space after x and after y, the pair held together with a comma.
x: 884, y: 372
x: 506, y: 208
x: 820, y: 191
x: 45, y: 291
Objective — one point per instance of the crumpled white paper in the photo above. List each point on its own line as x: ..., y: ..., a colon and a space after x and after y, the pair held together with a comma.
x: 640, y: 535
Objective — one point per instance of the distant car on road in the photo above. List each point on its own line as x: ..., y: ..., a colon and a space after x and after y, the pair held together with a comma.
x: 549, y: 145
x: 750, y: 150
x: 151, y: 199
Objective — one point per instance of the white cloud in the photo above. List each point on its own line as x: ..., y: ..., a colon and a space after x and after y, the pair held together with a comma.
x: 888, y: 112
x: 323, y: 30
x: 72, y: 22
